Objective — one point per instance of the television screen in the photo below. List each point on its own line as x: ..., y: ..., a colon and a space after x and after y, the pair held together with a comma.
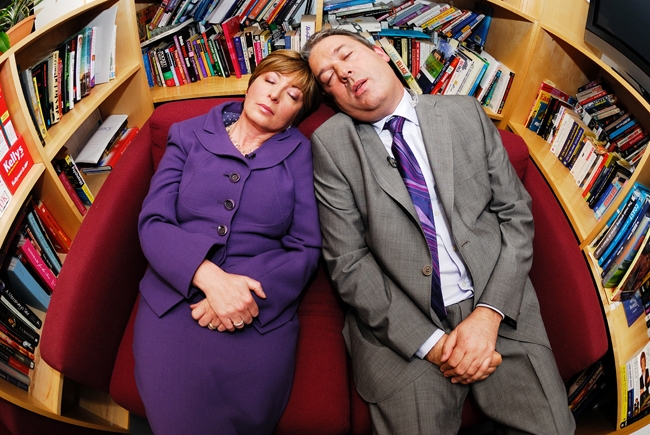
x: 621, y: 30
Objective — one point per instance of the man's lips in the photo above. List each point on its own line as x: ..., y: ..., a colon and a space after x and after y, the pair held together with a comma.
x: 358, y: 86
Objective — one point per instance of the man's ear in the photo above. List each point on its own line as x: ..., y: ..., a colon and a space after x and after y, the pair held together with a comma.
x: 380, y: 51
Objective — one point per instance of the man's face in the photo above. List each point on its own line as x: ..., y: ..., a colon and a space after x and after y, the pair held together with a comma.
x: 358, y: 78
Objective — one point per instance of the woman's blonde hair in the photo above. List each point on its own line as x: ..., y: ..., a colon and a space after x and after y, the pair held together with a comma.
x: 289, y: 62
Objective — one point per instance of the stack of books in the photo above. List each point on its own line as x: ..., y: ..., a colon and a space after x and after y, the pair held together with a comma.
x: 63, y: 77
x: 621, y: 249
x: 584, y: 390
x: 635, y: 388
x: 30, y: 266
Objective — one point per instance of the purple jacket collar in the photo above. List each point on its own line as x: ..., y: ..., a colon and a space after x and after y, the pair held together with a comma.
x: 214, y: 138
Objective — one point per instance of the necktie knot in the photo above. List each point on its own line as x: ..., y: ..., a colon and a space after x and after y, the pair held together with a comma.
x: 395, y: 124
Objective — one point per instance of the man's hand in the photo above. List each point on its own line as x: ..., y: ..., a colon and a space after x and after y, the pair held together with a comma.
x: 468, y: 354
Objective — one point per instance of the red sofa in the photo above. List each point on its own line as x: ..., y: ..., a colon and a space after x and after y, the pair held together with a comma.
x: 89, y: 328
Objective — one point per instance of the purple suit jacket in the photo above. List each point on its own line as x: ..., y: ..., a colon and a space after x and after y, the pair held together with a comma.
x: 255, y: 217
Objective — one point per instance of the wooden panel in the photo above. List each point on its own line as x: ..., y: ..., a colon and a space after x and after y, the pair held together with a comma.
x: 210, y: 87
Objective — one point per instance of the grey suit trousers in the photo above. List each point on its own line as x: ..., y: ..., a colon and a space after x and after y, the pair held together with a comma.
x: 514, y: 397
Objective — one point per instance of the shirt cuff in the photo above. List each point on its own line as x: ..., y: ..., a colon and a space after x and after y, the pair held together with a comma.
x: 492, y: 308
x: 428, y: 345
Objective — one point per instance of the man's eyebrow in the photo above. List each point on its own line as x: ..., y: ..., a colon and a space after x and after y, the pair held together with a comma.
x: 335, y: 51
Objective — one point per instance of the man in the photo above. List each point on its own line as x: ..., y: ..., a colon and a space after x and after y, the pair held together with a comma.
x: 440, y: 299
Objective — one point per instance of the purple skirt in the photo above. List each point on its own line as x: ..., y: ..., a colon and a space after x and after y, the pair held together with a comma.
x: 193, y: 380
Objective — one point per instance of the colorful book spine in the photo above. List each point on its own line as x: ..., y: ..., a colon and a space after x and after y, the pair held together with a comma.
x: 25, y: 286
x: 35, y: 262
x: 43, y: 241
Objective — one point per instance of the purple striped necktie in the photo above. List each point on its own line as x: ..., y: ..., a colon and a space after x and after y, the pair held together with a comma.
x: 416, y: 186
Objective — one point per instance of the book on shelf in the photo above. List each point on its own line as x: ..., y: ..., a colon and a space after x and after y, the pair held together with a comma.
x: 60, y: 240
x: 586, y: 388
x: 106, y: 135
x: 8, y: 356
x: 28, y: 337
x: 25, y: 286
x: 28, y: 254
x: 635, y: 388
x: 14, y: 376
x: 35, y: 230
x: 33, y: 103
x: 13, y: 303
x: 546, y: 91
x: 69, y: 188
x: 14, y: 166
x: 105, y: 34
x: 8, y: 131
x: 398, y: 63
x: 67, y: 165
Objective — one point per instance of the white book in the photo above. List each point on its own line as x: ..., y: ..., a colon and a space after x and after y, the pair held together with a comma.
x: 564, y: 128
x: 104, y: 25
x: 459, y: 74
x: 108, y: 131
x: 426, y: 16
x: 500, y: 90
x: 493, y: 67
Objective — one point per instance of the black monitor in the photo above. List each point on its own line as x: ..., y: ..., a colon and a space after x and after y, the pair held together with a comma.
x: 621, y: 30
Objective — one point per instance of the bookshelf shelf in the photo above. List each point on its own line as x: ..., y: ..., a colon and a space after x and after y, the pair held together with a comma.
x: 50, y: 393
x: 210, y: 87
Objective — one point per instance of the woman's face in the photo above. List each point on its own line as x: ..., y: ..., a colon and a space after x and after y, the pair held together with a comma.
x: 272, y: 101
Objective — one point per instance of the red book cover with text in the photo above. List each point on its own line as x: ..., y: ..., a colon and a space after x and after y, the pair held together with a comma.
x: 230, y: 27
x: 15, y: 164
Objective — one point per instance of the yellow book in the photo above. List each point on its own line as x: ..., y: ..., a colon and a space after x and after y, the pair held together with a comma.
x: 401, y: 66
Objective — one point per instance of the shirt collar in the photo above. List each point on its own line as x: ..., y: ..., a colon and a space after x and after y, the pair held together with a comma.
x: 405, y: 108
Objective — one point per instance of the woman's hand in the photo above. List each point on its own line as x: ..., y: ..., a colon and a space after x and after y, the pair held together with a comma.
x: 229, y: 303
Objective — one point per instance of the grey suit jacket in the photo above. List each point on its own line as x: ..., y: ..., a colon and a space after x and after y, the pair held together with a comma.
x: 376, y: 251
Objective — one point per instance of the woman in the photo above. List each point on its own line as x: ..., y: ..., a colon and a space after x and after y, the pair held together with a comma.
x: 230, y: 229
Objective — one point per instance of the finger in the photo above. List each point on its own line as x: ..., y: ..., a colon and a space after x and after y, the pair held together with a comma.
x: 256, y: 288
x: 448, y: 346
x: 198, y: 311
x: 481, y: 371
x: 239, y: 324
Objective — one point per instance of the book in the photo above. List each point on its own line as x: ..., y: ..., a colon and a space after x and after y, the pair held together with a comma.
x: 70, y: 169
x: 43, y: 242
x: 614, y: 271
x: 28, y: 337
x: 104, y: 137
x: 398, y: 62
x: 14, y: 376
x: 15, y: 165
x: 25, y: 286
x: 33, y: 103
x: 11, y: 302
x: 230, y: 27
x: 65, y: 182
x: 33, y: 261
x: 7, y: 355
x: 635, y: 198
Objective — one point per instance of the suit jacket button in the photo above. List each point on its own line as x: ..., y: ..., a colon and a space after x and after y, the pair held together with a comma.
x: 222, y: 230
x: 427, y: 270
x: 234, y: 177
x: 229, y: 204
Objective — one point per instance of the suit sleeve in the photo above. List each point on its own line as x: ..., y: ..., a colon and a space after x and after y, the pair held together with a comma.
x: 285, y: 272
x: 173, y: 253
x: 511, y: 204
x: 393, y: 318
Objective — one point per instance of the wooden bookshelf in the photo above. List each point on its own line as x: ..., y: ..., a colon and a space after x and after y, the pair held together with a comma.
x: 49, y: 394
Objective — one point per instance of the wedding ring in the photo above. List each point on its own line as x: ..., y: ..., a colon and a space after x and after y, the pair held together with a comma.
x: 237, y: 325
x: 211, y: 327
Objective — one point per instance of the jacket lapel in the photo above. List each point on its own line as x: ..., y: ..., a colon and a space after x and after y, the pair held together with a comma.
x: 437, y: 141
x: 387, y: 176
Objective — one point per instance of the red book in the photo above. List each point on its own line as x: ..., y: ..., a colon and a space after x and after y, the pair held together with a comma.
x: 71, y: 192
x: 230, y: 27
x: 59, y: 238
x: 118, y: 149
x: 446, y: 76
x: 36, y: 264
x: 15, y: 164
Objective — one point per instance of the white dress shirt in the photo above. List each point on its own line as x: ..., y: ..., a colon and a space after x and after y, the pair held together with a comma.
x: 455, y: 280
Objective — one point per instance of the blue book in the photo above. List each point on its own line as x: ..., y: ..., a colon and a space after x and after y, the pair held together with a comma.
x: 25, y: 286
x: 403, y: 33
x: 622, y: 128
x: 620, y: 234
x: 481, y: 31
x: 43, y: 242
x: 345, y: 4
